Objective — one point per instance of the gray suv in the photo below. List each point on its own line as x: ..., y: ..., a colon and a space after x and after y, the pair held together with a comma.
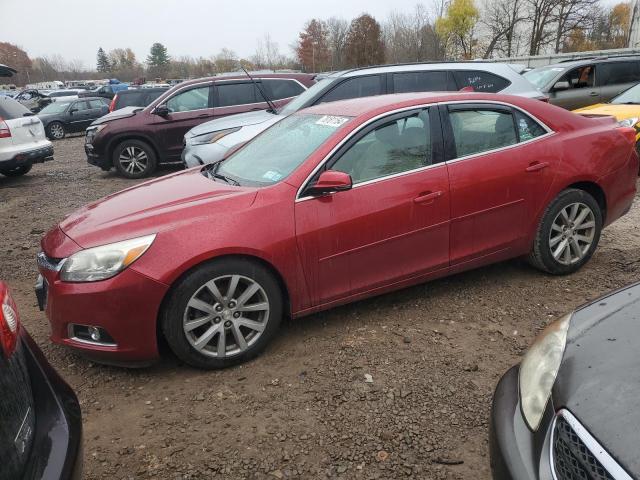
x: 580, y: 83
x: 211, y: 141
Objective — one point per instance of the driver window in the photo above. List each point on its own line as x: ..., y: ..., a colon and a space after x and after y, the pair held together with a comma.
x: 394, y: 147
x: 582, y: 77
x: 194, y: 99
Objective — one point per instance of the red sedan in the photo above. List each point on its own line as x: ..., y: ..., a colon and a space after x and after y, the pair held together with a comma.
x: 336, y: 203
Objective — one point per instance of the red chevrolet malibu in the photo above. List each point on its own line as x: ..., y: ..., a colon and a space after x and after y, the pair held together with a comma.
x: 336, y: 203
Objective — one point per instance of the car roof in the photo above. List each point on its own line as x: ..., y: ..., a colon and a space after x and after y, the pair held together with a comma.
x: 226, y: 78
x: 419, y: 66
x: 143, y: 90
x: 589, y: 60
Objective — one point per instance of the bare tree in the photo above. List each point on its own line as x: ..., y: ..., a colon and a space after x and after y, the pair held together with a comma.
x: 541, y: 18
x: 226, y: 60
x: 572, y: 15
x: 411, y: 37
x: 501, y: 18
x: 337, y: 29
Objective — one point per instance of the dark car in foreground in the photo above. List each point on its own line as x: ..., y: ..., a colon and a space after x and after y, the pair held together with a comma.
x: 71, y: 116
x: 333, y: 204
x: 135, y: 140
x: 135, y: 97
x: 40, y: 420
x: 571, y: 409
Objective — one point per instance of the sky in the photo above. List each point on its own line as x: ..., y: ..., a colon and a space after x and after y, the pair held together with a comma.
x: 76, y: 28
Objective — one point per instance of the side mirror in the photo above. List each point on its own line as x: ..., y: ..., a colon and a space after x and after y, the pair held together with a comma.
x: 161, y: 110
x: 71, y: 111
x: 562, y: 85
x: 331, y: 181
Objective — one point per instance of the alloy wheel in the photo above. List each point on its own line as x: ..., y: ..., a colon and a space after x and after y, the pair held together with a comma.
x: 226, y: 316
x: 572, y: 233
x: 133, y: 159
x: 57, y: 131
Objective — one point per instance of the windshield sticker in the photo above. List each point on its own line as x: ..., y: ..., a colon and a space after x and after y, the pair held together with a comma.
x: 271, y: 175
x: 332, y: 121
x: 557, y: 69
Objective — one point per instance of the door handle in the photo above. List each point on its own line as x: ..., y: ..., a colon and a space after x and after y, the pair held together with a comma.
x: 427, y: 197
x: 534, y: 167
x: 593, y: 94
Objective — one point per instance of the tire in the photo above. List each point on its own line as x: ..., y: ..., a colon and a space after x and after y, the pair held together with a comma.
x: 16, y: 171
x: 557, y: 232
x: 194, y: 333
x: 134, y: 159
x: 56, y: 131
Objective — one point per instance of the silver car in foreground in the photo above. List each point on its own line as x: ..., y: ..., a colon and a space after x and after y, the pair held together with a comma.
x: 211, y: 141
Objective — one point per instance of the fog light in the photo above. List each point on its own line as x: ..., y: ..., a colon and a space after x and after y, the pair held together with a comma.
x: 94, y: 333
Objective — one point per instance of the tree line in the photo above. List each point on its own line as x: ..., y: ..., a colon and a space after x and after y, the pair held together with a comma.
x: 443, y: 30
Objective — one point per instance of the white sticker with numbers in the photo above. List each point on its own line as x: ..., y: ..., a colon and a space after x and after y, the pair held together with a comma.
x: 332, y: 121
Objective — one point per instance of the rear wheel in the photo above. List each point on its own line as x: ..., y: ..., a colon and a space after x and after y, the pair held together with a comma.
x: 568, y: 233
x: 55, y: 131
x: 223, y: 313
x: 134, y: 159
x: 16, y: 171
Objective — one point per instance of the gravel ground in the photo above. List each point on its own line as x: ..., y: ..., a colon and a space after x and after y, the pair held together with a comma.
x: 303, y: 409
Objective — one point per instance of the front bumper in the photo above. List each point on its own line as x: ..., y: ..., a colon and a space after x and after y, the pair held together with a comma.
x: 125, y: 306
x: 96, y: 158
x: 38, y: 155
x: 198, y: 155
x: 56, y: 452
x: 516, y: 452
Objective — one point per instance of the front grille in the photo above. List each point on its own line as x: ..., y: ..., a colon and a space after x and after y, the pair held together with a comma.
x: 49, y: 263
x: 572, y: 459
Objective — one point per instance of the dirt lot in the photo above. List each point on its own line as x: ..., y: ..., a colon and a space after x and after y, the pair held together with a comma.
x: 303, y: 409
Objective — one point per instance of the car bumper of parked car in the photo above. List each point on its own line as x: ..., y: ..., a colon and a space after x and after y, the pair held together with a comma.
x: 56, y: 451
x: 96, y: 158
x: 516, y: 452
x: 124, y: 309
x: 198, y: 155
x: 29, y: 157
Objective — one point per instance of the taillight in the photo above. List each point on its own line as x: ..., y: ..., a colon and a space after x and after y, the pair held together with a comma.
x: 112, y: 105
x: 9, y: 322
x: 4, y: 129
x: 629, y: 133
x: 467, y: 89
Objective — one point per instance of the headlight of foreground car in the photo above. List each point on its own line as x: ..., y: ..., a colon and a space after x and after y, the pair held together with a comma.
x: 539, y: 369
x: 628, y: 122
x: 106, y: 261
x: 212, y: 137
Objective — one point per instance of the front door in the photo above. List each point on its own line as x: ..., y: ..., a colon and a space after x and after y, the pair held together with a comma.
x: 392, y: 225
x: 499, y: 176
x: 187, y: 108
x: 576, y: 89
x: 79, y: 116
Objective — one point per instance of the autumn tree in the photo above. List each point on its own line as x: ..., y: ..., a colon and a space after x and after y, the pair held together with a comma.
x: 456, y: 28
x: 102, y: 61
x: 411, y: 37
x: 312, y: 50
x: 16, y: 58
x: 364, y: 45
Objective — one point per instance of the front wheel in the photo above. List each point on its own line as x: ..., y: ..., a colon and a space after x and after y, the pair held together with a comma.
x: 223, y: 313
x: 16, y: 171
x: 134, y: 159
x: 568, y: 233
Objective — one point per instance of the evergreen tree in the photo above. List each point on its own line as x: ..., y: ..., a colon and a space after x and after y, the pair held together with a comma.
x: 103, y: 61
x: 158, y: 56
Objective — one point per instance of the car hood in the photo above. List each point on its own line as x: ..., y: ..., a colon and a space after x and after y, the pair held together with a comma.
x: 151, y: 207
x: 120, y: 113
x: 599, y: 380
x: 232, y: 121
x: 620, y: 112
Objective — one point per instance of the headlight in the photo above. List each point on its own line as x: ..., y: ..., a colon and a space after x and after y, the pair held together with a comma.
x: 91, y: 132
x: 539, y: 369
x: 104, y: 262
x: 628, y: 122
x: 212, y: 137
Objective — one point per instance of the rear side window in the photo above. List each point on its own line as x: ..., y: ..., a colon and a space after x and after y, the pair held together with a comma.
x: 96, y: 104
x: 130, y: 100
x: 355, y: 88
x: 10, y: 109
x: 527, y: 127
x: 279, y: 89
x: 480, y: 81
x: 618, y: 72
x: 480, y: 130
x: 421, y: 82
x: 235, y: 94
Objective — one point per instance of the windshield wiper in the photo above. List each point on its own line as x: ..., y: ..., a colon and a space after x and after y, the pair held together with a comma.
x: 213, y: 173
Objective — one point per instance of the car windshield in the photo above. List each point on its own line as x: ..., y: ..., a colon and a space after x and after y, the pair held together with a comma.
x: 631, y: 95
x: 300, y: 101
x: 277, y: 152
x: 540, y: 77
x: 57, y: 107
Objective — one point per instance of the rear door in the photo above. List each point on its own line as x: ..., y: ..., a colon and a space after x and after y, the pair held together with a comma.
x: 237, y: 96
x: 25, y: 128
x: 428, y: 81
x: 356, y: 87
x: 97, y: 108
x: 188, y: 107
x: 615, y: 77
x: 499, y: 172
